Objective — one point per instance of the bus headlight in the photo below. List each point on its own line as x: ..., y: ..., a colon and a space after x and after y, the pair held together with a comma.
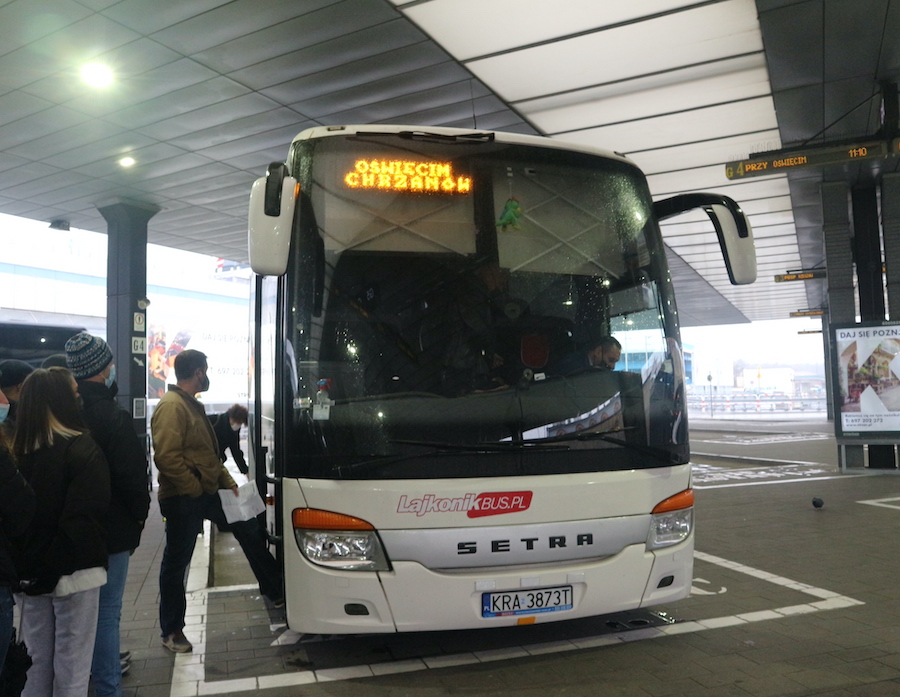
x: 672, y: 520
x: 338, y: 541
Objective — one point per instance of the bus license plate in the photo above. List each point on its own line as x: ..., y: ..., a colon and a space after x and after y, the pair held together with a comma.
x: 526, y: 602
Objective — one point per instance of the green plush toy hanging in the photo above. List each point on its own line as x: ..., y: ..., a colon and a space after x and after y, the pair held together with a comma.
x: 509, y: 218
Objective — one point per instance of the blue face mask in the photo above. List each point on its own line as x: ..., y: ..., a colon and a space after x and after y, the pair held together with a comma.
x: 4, y: 411
x: 111, y: 378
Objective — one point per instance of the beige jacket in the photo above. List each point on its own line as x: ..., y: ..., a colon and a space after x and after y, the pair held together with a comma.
x: 185, y: 448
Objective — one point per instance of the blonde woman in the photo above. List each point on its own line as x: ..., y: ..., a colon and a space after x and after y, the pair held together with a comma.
x: 61, y: 557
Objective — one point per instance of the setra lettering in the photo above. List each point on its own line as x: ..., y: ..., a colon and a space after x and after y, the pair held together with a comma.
x: 530, y: 544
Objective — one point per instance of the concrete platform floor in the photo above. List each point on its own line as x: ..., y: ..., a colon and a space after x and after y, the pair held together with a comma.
x: 788, y: 600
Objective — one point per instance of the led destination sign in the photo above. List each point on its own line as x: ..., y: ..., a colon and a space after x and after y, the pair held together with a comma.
x: 407, y: 175
x: 786, y: 160
x: 800, y: 275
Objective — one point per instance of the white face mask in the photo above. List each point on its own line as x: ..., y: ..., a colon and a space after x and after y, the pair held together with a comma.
x: 235, y: 427
x: 111, y: 378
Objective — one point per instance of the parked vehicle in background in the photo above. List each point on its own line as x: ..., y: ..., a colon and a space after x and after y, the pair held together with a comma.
x: 33, y: 343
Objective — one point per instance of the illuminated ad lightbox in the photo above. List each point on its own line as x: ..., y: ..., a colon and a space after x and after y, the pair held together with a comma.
x: 413, y: 176
x: 865, y: 360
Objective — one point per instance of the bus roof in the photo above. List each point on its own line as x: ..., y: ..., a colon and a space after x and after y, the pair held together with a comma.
x: 499, y: 136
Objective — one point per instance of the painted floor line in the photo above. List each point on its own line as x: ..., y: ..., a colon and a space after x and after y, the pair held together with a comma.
x: 767, y: 460
x: 776, y: 481
x: 189, y: 673
x: 884, y: 503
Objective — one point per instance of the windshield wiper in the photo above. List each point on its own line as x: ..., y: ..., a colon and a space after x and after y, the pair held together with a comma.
x: 477, y: 136
x: 657, y: 453
x: 480, y: 447
x: 439, y: 449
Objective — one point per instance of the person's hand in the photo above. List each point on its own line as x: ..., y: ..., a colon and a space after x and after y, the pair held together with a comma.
x: 234, y: 490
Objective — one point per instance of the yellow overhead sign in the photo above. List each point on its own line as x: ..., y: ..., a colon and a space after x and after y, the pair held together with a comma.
x: 781, y: 161
x: 804, y: 275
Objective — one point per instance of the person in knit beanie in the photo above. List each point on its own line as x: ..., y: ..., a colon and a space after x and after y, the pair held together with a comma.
x: 87, y: 355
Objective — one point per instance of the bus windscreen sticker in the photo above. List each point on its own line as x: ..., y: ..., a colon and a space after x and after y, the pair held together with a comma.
x: 474, y: 505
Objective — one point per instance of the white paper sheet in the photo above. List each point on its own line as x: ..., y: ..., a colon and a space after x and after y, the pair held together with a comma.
x: 246, y: 505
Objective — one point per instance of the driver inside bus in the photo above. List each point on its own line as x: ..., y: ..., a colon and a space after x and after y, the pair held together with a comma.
x: 603, y: 352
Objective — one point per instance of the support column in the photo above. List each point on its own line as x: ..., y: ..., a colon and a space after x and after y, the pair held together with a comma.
x: 841, y: 297
x: 867, y: 248
x: 869, y: 275
x: 126, y: 293
x: 829, y: 391
x: 890, y: 230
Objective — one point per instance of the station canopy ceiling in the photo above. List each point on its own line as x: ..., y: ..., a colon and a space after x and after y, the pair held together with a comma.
x: 207, y: 93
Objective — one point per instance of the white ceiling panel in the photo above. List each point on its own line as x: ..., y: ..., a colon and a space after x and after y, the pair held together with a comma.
x: 708, y: 124
x: 700, y: 154
x: 702, y: 34
x: 515, y: 20
x: 771, y: 204
x: 666, y: 184
x: 771, y: 219
x: 786, y: 231
x: 634, y: 99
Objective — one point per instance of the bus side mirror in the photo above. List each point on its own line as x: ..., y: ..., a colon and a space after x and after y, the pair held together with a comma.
x: 732, y: 228
x: 270, y: 220
x: 739, y: 250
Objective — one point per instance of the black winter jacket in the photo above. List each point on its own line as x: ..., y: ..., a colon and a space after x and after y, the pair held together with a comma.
x: 112, y: 429
x: 71, y: 485
x: 228, y: 439
x: 16, y: 512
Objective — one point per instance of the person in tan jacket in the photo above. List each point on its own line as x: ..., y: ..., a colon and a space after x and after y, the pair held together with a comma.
x: 190, y: 476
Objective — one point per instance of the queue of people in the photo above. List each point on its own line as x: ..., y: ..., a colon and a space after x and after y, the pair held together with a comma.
x: 74, y: 498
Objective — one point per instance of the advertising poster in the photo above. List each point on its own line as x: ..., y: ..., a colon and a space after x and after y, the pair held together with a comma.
x: 866, y: 361
x: 226, y: 350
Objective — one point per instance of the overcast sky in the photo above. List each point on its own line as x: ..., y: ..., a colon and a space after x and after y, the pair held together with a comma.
x: 769, y: 342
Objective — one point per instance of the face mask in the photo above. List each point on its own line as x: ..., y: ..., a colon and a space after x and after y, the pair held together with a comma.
x: 204, y: 383
x: 4, y: 411
x: 235, y: 427
x: 111, y: 378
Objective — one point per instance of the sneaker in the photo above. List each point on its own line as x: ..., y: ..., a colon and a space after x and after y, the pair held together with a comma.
x: 177, y: 642
x: 126, y: 666
x: 125, y: 656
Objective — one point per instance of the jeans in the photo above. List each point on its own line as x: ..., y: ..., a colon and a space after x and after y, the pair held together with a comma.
x: 184, y: 520
x: 6, y: 620
x: 59, y: 633
x: 106, y: 670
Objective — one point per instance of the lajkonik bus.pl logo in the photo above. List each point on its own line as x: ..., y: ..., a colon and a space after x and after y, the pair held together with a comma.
x: 475, y: 505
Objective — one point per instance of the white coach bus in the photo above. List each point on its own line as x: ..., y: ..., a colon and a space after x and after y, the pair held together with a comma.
x: 442, y: 448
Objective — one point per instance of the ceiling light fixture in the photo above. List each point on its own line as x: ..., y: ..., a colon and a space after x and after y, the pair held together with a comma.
x: 127, y: 162
x: 97, y: 75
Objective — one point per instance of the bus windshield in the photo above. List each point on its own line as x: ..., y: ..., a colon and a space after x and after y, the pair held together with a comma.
x: 449, y: 310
